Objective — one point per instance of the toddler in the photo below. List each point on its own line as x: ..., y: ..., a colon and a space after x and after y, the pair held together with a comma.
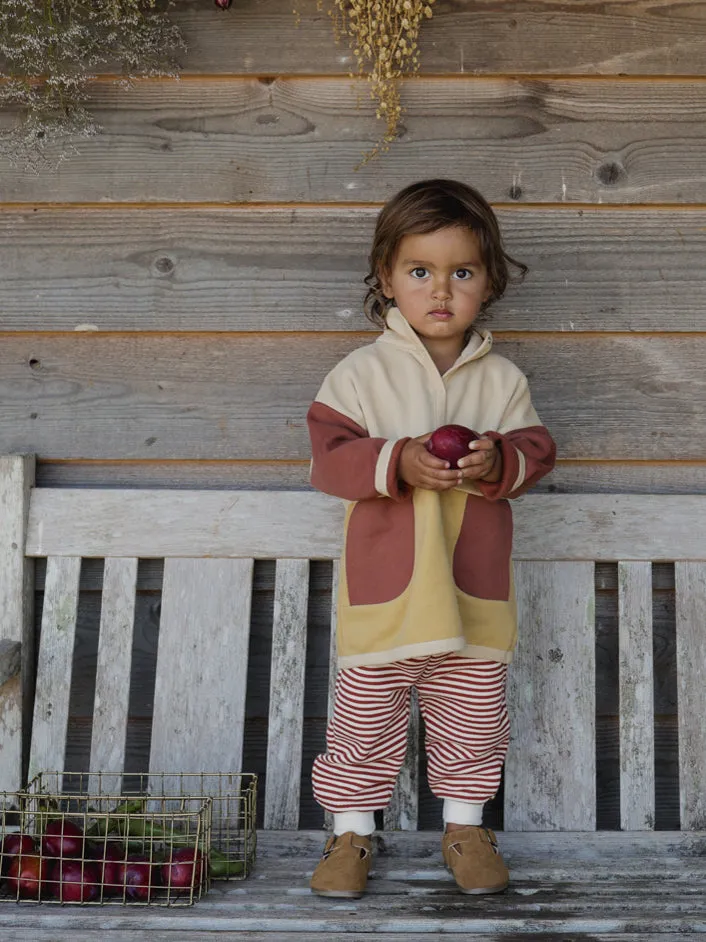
x: 426, y: 596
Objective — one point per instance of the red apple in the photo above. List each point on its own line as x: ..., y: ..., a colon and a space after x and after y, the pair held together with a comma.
x: 13, y: 844
x: 75, y: 881
x: 450, y: 442
x: 184, y: 870
x: 62, y: 839
x: 27, y: 876
x: 108, y: 860
x: 138, y: 876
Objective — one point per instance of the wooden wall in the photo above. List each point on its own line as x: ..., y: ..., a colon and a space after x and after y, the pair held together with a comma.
x: 172, y: 297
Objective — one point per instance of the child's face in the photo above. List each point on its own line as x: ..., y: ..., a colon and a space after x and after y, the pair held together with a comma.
x: 439, y: 282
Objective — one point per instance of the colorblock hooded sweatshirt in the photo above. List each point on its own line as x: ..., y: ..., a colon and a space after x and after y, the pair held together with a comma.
x: 423, y: 572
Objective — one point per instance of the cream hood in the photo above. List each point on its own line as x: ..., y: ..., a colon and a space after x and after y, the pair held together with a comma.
x: 399, y: 333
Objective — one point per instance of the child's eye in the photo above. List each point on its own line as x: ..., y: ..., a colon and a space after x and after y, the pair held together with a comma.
x: 419, y: 273
x: 463, y: 274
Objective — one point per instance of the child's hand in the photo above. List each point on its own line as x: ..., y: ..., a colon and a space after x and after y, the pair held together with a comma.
x: 420, y: 469
x: 484, y: 461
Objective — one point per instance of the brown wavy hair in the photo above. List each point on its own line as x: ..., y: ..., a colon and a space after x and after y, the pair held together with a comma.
x: 426, y: 207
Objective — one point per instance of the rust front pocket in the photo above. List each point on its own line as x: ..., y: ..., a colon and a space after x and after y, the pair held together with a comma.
x: 481, y: 564
x: 379, y: 550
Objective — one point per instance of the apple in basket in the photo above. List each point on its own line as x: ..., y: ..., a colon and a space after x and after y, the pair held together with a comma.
x: 138, y: 876
x: 13, y: 844
x: 62, y: 839
x: 184, y: 869
x: 450, y: 442
x: 27, y: 876
x: 75, y: 881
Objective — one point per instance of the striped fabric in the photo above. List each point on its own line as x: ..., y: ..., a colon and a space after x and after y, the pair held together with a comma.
x: 467, y: 730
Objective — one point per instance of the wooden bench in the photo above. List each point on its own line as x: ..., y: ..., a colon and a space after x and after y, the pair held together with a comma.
x: 569, y: 880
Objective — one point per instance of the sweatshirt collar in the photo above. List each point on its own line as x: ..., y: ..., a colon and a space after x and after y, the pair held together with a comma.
x: 399, y: 332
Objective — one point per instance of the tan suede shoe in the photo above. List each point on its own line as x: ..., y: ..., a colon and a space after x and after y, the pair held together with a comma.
x: 343, y: 869
x: 472, y: 855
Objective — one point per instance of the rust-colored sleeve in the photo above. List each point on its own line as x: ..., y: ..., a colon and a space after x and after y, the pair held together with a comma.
x: 346, y: 462
x: 527, y: 455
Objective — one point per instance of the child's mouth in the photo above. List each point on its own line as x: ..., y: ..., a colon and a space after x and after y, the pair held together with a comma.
x: 441, y: 314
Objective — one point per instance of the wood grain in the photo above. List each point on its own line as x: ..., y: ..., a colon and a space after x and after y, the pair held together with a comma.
x: 114, y: 664
x: 220, y: 396
x: 662, y: 37
x: 302, y: 269
x: 574, y: 477
x: 54, y: 665
x: 550, y: 777
x: 637, y: 755
x: 299, y: 524
x: 10, y: 660
x: 300, y: 139
x: 690, y: 592
x: 286, y: 710
x: 199, y: 699
x: 17, y: 607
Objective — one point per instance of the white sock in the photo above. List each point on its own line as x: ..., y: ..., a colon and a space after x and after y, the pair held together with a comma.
x: 360, y: 822
x: 463, y: 812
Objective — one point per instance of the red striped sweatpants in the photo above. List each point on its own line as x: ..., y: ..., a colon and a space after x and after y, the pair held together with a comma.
x: 467, y: 729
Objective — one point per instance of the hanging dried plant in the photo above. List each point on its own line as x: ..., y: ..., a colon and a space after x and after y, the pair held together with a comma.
x: 50, y: 51
x: 383, y: 36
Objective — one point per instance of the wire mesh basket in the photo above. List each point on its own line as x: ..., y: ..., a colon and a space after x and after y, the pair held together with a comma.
x: 67, y: 839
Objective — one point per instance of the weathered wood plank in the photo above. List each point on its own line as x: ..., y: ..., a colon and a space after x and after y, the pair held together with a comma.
x: 199, y: 699
x: 246, y: 523
x: 637, y: 755
x: 17, y: 607
x: 569, y: 477
x: 402, y: 814
x: 221, y: 396
x: 113, y: 668
x: 659, y: 38
x: 690, y: 590
x: 10, y: 660
x: 550, y: 778
x: 301, y: 139
x: 54, y: 665
x: 332, y: 661
x: 286, y: 713
x: 302, y: 269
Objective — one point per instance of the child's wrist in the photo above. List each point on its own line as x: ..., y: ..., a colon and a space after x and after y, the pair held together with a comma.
x: 496, y: 471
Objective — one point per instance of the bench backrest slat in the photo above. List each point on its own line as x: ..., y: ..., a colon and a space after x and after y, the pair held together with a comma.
x: 110, y: 710
x: 286, y: 713
x: 202, y: 657
x: 690, y: 598
x: 55, y: 664
x: 402, y: 814
x: 636, y: 691
x: 550, y: 776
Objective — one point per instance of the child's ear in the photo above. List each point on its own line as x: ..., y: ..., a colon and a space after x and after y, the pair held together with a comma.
x: 385, y: 284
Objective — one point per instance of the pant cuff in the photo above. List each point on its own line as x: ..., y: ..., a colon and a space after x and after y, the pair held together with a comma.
x: 360, y: 822
x: 463, y: 812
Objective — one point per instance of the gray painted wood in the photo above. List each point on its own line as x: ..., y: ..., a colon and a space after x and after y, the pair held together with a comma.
x: 690, y: 590
x: 661, y: 38
x: 572, y: 477
x: 301, y: 139
x: 10, y: 660
x: 637, y: 755
x: 226, y: 396
x: 156, y: 269
x: 199, y: 698
x: 17, y: 606
x: 286, y: 713
x: 112, y: 691
x: 402, y: 814
x: 332, y: 661
x: 550, y: 776
x: 55, y: 665
x: 587, y: 886
x: 160, y: 523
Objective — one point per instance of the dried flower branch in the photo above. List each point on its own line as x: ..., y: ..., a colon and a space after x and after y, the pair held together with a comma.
x: 383, y: 36
x: 50, y: 51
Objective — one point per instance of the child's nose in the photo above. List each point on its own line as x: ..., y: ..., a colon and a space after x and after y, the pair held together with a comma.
x: 441, y: 289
